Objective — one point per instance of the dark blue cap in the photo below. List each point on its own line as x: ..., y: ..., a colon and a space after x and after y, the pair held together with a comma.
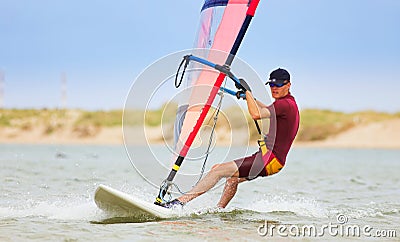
x: 279, y: 74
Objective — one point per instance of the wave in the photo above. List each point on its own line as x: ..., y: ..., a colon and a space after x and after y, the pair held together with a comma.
x: 60, y: 210
x: 282, y: 207
x: 286, y: 203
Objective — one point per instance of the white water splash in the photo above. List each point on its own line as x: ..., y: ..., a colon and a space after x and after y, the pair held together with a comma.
x: 73, y: 210
x: 288, y: 203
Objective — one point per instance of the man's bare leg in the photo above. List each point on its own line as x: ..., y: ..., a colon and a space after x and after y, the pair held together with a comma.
x: 228, y: 169
x: 229, y: 190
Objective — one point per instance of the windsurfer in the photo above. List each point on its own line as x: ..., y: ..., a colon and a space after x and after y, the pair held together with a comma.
x: 271, y: 156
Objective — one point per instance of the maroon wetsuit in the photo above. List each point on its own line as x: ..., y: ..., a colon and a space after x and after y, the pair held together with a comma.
x: 284, y: 126
x: 283, y: 129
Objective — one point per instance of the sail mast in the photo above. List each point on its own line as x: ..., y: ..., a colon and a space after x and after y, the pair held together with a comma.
x: 216, y: 87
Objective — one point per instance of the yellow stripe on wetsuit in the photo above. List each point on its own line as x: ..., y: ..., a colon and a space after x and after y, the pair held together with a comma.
x: 274, y: 165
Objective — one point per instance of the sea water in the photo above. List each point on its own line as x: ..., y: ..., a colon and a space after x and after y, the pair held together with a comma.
x: 47, y: 194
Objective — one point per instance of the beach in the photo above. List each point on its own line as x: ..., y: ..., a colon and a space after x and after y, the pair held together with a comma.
x: 385, y: 134
x: 381, y: 134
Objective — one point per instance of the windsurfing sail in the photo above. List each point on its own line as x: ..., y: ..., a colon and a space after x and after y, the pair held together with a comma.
x: 223, y: 24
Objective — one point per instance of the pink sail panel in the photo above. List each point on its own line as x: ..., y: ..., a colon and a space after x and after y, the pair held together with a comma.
x: 219, y: 27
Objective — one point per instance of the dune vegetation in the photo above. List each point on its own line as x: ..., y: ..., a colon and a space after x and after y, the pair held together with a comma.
x: 315, y: 124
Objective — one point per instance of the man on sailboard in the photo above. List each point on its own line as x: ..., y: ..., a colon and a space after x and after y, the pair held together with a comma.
x: 273, y: 148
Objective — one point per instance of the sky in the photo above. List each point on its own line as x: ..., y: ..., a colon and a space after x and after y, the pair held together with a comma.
x: 343, y: 55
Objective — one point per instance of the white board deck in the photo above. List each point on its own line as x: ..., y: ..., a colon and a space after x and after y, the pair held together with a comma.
x: 114, y: 201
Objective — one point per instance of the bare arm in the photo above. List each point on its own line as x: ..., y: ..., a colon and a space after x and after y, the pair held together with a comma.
x: 257, y: 109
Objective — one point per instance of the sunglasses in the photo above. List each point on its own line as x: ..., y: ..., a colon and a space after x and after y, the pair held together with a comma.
x: 276, y: 84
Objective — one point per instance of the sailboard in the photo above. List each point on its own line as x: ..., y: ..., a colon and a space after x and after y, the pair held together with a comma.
x: 120, y: 203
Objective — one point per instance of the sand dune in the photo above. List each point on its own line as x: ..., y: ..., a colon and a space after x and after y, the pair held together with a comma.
x: 385, y: 134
